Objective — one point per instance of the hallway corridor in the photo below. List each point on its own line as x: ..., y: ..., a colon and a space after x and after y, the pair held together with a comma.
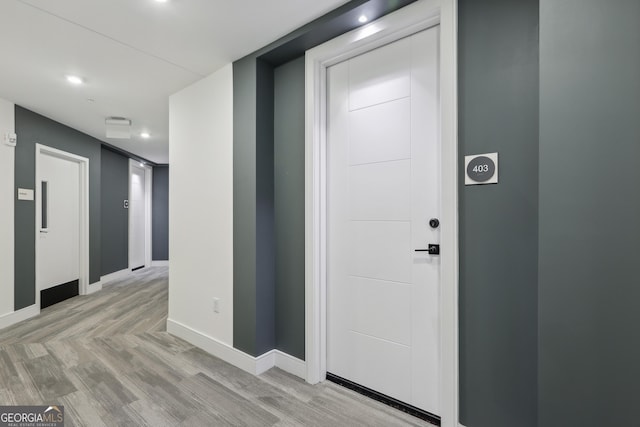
x: 108, y: 359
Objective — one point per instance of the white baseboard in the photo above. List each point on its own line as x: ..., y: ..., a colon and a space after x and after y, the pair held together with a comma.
x: 291, y: 364
x: 264, y: 362
x: 18, y: 316
x: 104, y: 280
x: 213, y: 346
x: 94, y: 287
x: 159, y: 263
x: 253, y: 365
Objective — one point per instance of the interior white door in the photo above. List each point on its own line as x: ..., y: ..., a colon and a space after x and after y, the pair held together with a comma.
x: 383, y: 188
x: 137, y: 232
x: 59, y: 229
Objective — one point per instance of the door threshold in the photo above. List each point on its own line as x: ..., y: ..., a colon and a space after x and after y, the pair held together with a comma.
x: 382, y: 398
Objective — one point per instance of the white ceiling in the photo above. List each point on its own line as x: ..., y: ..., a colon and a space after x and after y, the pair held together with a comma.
x: 132, y: 54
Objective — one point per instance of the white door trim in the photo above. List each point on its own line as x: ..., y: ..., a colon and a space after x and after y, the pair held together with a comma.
x: 406, y: 21
x: 148, y: 188
x: 83, y: 163
x: 148, y: 214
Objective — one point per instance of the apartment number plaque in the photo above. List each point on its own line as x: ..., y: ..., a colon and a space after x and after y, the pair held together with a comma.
x: 481, y: 169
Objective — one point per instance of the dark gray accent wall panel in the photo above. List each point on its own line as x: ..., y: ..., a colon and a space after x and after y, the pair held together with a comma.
x: 115, y: 218
x: 498, y: 111
x: 254, y: 297
x: 244, y: 205
x: 33, y: 128
x: 288, y: 169
x: 160, y: 212
x: 589, y: 212
x: 265, y: 243
x: 254, y: 251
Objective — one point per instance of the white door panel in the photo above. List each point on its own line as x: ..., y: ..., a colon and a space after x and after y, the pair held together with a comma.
x: 389, y: 139
x: 379, y: 250
x: 383, y: 154
x: 380, y: 191
x: 381, y: 75
x: 426, y: 169
x: 137, y: 214
x: 390, y: 361
x: 59, y: 246
x: 371, y: 299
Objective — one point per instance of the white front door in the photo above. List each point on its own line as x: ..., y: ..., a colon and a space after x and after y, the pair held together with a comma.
x: 137, y: 219
x: 58, y: 257
x: 383, y: 189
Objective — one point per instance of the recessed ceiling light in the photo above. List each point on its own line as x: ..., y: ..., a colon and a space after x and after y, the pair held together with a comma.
x: 362, y: 19
x: 145, y: 135
x: 75, y: 80
x: 162, y: 1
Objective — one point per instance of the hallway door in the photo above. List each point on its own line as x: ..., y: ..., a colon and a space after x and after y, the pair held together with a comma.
x: 137, y: 217
x: 58, y: 205
x: 383, y: 189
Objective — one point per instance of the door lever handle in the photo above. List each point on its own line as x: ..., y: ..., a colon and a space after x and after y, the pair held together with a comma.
x: 433, y: 249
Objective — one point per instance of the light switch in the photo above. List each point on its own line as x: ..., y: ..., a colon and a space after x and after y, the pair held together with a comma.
x: 10, y: 139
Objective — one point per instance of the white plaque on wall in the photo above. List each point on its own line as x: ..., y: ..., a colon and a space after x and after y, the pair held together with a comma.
x: 25, y: 194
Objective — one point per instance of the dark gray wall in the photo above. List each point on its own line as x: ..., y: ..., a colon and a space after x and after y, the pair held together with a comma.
x: 244, y: 205
x: 289, y: 94
x: 254, y: 294
x: 160, y: 212
x: 589, y: 212
x: 115, y: 218
x: 254, y: 250
x: 265, y: 241
x: 498, y: 111
x: 33, y: 128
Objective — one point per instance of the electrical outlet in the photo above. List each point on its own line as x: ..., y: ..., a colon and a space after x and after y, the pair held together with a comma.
x: 216, y: 305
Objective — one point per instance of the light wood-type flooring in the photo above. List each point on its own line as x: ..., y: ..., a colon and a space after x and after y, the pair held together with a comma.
x: 108, y: 359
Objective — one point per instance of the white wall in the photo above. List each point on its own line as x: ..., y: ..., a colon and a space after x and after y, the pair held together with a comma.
x: 7, y: 161
x: 201, y: 206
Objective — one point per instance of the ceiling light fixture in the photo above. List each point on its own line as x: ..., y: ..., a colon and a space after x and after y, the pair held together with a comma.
x: 362, y: 19
x: 118, y: 127
x: 145, y: 135
x: 75, y: 80
x: 162, y: 1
